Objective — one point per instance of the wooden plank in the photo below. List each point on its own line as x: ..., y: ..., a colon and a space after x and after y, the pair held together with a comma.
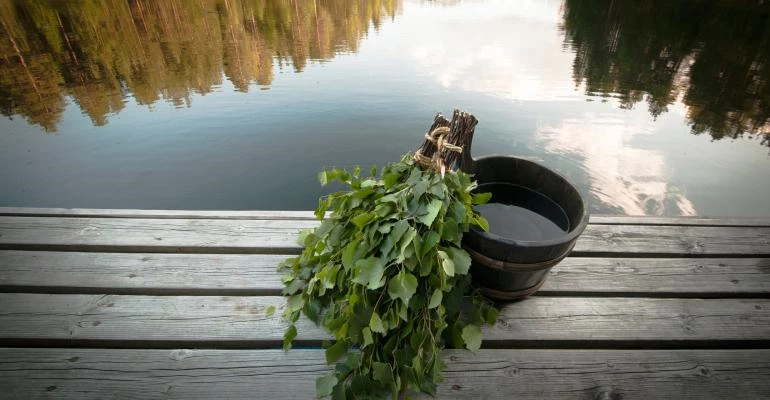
x: 140, y: 273
x: 148, y: 235
x: 685, y: 221
x: 255, y: 274
x: 280, y: 214
x: 271, y: 236
x: 489, y: 374
x: 692, y: 241
x: 157, y: 214
x: 672, y: 277
x: 209, y: 321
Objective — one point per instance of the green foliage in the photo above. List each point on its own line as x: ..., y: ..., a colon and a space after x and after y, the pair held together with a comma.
x: 386, y: 274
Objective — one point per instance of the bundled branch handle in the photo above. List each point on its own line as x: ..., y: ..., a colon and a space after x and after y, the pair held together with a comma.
x: 445, y: 141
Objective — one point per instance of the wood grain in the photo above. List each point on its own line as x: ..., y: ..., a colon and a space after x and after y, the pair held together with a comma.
x: 241, y: 321
x: 279, y: 236
x: 489, y: 374
x: 158, y: 214
x: 255, y: 274
x: 670, y: 221
x: 280, y: 214
x: 672, y: 277
x: 140, y: 273
x: 163, y: 235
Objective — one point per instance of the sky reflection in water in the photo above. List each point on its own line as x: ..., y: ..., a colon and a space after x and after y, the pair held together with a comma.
x: 152, y: 115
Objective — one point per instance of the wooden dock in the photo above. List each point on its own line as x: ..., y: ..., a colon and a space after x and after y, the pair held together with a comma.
x: 99, y: 304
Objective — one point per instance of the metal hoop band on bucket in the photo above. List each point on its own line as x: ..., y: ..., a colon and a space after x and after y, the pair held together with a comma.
x: 514, y: 267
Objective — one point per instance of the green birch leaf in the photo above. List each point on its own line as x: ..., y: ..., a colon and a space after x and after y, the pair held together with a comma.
x: 417, y: 366
x: 323, y: 177
x: 417, y: 244
x: 382, y: 373
x: 384, y: 209
x: 472, y: 337
x: 402, y: 286
x: 481, y: 198
x: 375, y: 324
x: 349, y: 254
x: 269, y: 311
x: 368, y: 183
x: 323, y: 205
x: 369, y: 272
x: 364, y: 191
x: 398, y: 231
x: 461, y: 260
x: 429, y: 242
x: 303, y: 236
x: 446, y: 263
x: 386, y: 228
x: 368, y: 339
x: 451, y: 231
x: 432, y: 211
x: 288, y: 337
x: 325, y: 384
x: 390, y: 179
x: 294, y: 303
x: 336, y: 351
x: 426, y: 265
x: 419, y: 188
x: 490, y: 315
x: 481, y: 222
x: 436, y: 298
x: 293, y: 287
x: 339, y: 392
x: 406, y: 240
x: 437, y: 189
x: 362, y: 219
x: 403, y: 313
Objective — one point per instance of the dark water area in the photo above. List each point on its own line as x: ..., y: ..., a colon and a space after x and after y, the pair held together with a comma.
x: 649, y: 108
x: 518, y: 213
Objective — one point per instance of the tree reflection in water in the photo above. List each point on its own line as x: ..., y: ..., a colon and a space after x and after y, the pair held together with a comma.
x: 98, y: 52
x: 714, y: 56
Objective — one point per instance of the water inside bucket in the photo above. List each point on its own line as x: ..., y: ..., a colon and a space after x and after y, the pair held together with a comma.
x: 519, y: 213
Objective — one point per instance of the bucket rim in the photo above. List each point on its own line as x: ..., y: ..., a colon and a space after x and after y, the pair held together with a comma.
x: 570, y: 236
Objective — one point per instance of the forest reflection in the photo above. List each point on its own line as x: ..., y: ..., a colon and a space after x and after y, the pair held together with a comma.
x: 713, y: 56
x: 98, y: 52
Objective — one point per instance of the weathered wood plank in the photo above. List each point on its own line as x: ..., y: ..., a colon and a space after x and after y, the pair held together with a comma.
x: 140, y: 273
x: 684, y: 221
x: 672, y: 277
x: 165, y: 235
x: 638, y: 240
x: 255, y: 274
x: 271, y: 236
x: 157, y: 214
x: 489, y: 374
x: 242, y: 321
x: 276, y: 214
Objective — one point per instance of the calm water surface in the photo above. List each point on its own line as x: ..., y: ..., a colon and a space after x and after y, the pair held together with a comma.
x: 650, y: 108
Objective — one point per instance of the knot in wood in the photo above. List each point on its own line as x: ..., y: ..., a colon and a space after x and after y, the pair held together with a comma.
x: 181, y: 354
x: 607, y: 393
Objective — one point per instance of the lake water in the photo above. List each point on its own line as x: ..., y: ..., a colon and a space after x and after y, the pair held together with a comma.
x: 649, y: 108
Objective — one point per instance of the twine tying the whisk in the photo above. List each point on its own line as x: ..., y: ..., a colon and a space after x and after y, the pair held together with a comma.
x: 438, y: 138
